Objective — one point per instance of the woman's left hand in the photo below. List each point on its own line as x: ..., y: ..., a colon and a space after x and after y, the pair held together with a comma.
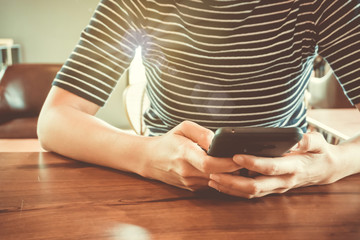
x: 312, y: 162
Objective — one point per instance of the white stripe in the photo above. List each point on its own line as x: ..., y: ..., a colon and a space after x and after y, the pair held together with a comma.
x: 82, y: 81
x: 349, y: 91
x: 80, y: 89
x: 117, y: 34
x: 167, y: 14
x: 218, y: 45
x: 96, y: 62
x: 251, y: 57
x: 345, y: 75
x: 227, y: 81
x: 298, y: 84
x: 108, y: 54
x: 158, y: 95
x: 220, y: 65
x: 338, y: 19
x: 92, y: 69
x: 239, y: 4
x: 342, y: 49
x: 157, y: 79
x: 254, y: 75
x: 116, y: 47
x: 233, y: 35
x: 336, y: 40
x: 101, y: 56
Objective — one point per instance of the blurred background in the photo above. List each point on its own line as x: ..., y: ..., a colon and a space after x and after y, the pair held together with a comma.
x: 46, y: 31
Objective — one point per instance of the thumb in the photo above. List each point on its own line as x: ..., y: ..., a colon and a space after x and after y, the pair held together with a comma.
x: 311, y: 142
x: 196, y: 133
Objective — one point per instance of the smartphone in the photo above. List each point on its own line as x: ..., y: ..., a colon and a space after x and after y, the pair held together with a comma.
x: 259, y: 141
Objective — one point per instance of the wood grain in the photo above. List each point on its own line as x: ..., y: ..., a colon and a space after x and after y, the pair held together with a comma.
x: 46, y: 196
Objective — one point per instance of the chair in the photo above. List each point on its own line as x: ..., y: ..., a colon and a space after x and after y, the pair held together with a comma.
x: 23, y: 89
x: 135, y: 103
x: 326, y: 92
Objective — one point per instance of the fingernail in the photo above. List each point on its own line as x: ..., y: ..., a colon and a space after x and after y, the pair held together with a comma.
x: 214, y: 177
x: 212, y: 184
x: 295, y: 147
x: 238, y: 158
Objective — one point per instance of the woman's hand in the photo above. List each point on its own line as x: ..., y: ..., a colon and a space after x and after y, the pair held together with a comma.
x: 312, y: 162
x: 179, y: 157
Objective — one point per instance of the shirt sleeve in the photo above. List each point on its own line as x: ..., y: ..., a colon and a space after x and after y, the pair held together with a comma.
x: 338, y: 29
x: 105, y: 50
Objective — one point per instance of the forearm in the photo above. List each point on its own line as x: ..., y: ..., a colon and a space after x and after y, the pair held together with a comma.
x: 83, y: 137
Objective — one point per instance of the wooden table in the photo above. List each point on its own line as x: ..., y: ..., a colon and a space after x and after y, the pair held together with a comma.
x: 337, y: 124
x: 20, y: 145
x: 46, y: 196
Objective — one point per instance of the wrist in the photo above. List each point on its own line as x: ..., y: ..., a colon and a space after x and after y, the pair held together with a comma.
x: 144, y: 153
x: 347, y: 158
x: 130, y: 153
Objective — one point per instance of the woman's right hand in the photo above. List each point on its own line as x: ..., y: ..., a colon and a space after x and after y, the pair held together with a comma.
x: 179, y: 157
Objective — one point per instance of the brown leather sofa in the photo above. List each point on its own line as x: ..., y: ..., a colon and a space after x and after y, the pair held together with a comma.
x: 23, y: 89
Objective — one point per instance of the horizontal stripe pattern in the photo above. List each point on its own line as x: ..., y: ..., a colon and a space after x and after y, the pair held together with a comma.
x: 217, y: 62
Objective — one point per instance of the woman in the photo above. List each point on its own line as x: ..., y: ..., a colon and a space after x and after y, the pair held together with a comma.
x: 208, y: 64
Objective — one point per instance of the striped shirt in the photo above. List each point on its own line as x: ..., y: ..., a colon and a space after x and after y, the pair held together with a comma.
x: 217, y: 62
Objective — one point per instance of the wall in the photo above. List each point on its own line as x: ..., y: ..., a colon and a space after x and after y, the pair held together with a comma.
x: 47, y: 31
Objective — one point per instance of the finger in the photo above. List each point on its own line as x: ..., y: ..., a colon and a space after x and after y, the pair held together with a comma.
x: 191, y: 183
x: 249, y: 188
x: 196, y: 156
x: 311, y: 142
x: 253, y: 174
x: 190, y: 171
x: 234, y: 185
x: 196, y: 133
x: 188, y: 178
x: 275, y: 184
x: 195, y: 183
x: 269, y: 166
x: 273, y: 191
x: 207, y: 164
x: 229, y: 191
